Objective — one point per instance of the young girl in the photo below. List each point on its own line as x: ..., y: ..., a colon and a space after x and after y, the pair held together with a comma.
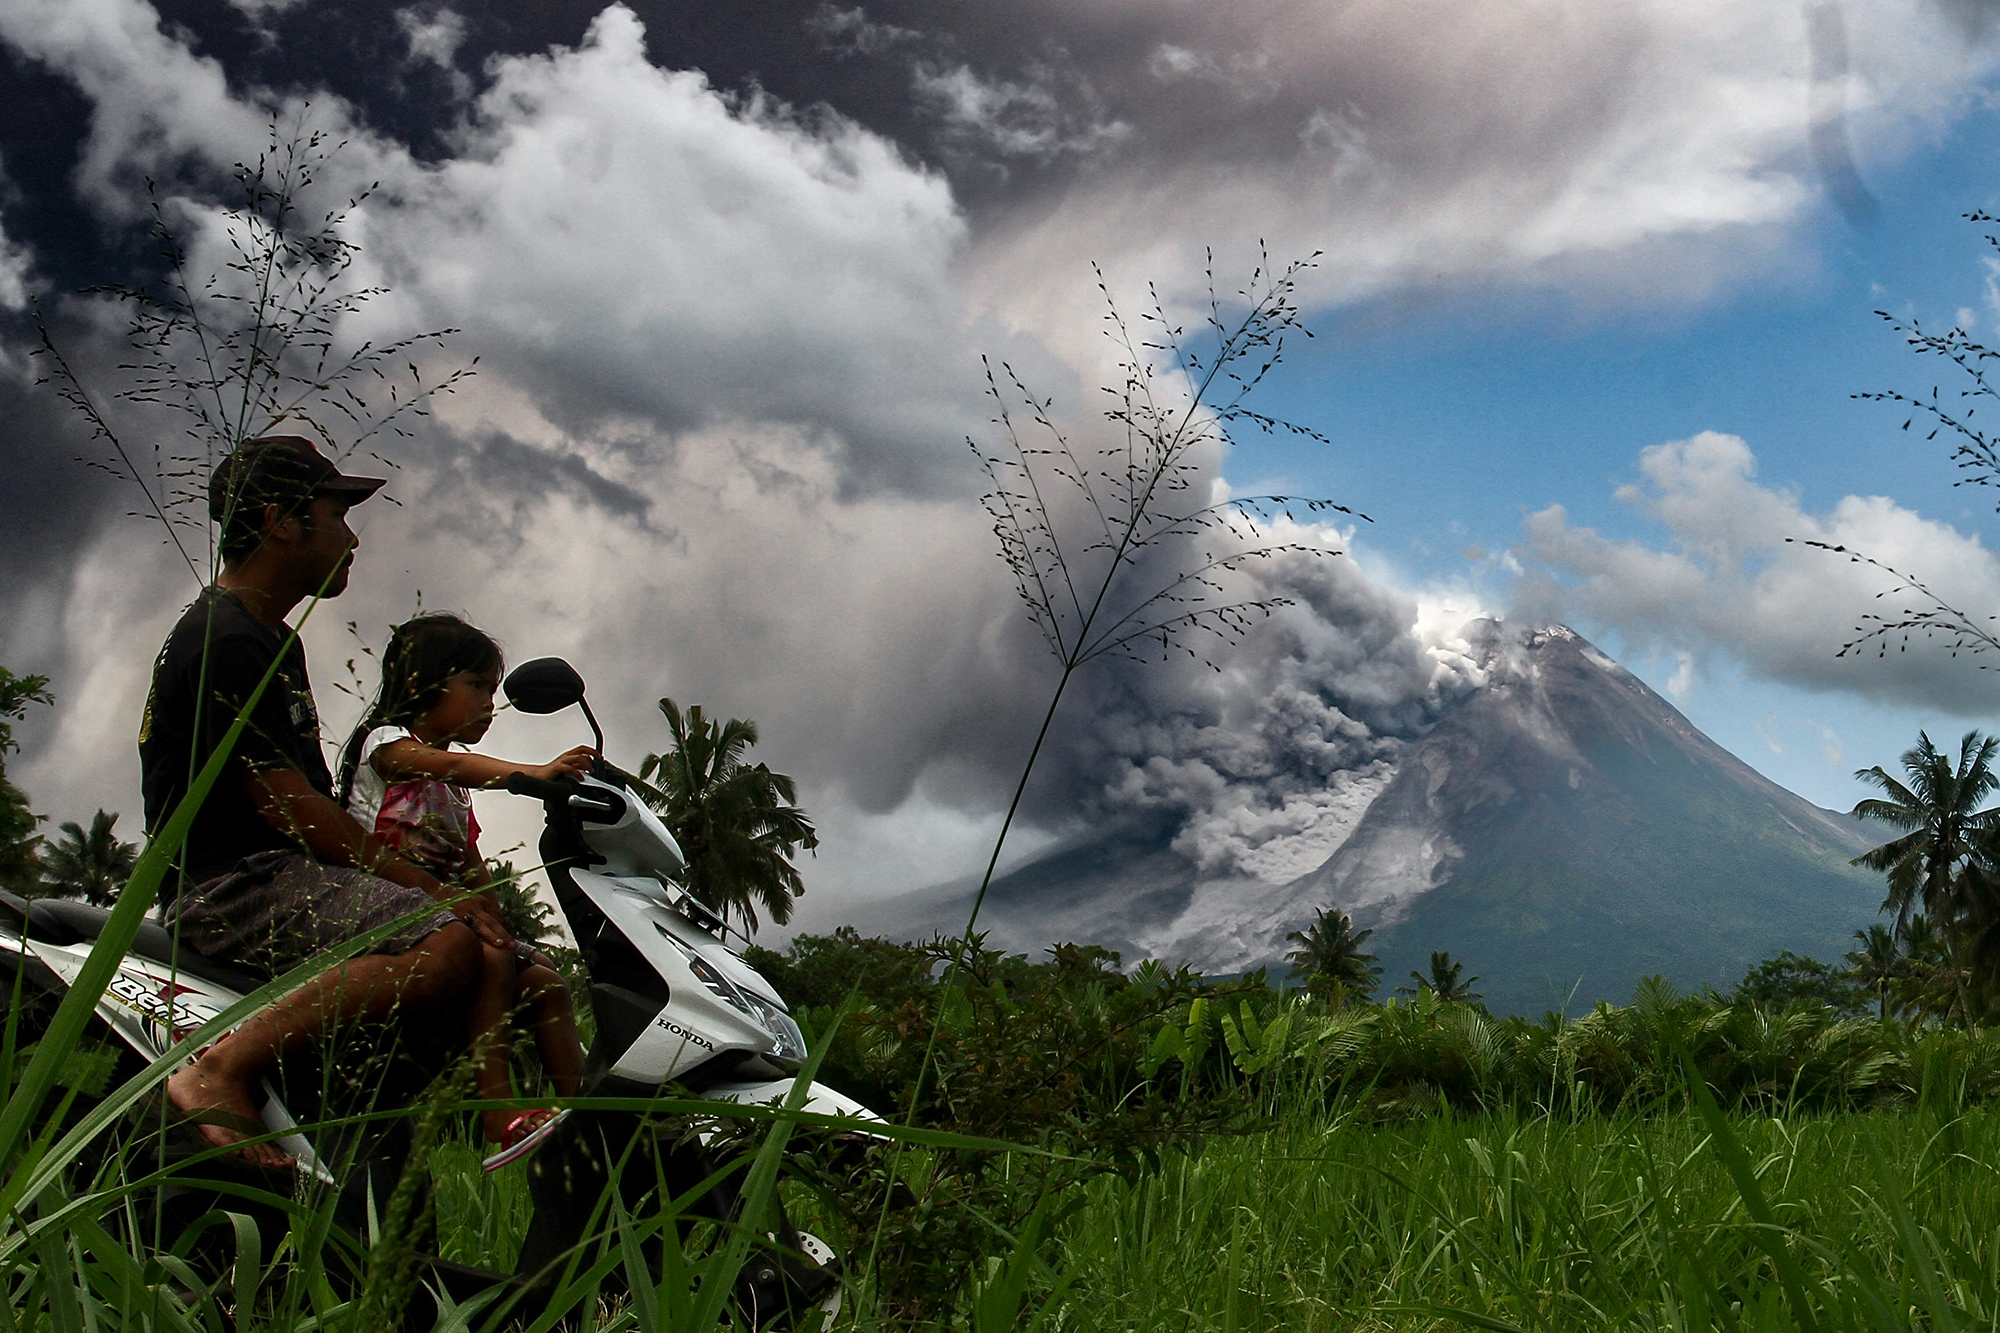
x: 405, y: 774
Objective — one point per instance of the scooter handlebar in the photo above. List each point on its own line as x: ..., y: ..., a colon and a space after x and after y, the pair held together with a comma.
x: 587, y: 801
x: 540, y: 788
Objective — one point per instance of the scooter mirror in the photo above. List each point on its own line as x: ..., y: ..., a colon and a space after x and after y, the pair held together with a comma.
x: 545, y: 685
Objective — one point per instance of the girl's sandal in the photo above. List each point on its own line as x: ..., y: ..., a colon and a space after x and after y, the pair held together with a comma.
x: 525, y: 1133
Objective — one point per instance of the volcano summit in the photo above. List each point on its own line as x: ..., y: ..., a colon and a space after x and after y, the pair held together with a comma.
x: 1561, y: 828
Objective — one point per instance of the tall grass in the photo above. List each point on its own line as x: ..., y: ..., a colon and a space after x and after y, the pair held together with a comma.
x: 1506, y: 1221
x: 1662, y: 1215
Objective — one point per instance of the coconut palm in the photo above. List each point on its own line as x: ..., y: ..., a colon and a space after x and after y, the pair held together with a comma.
x: 1927, y: 983
x: 1877, y: 963
x: 1443, y: 980
x: 1329, y: 957
x: 527, y: 917
x: 90, y: 865
x: 20, y: 844
x: 737, y: 823
x: 1941, y: 807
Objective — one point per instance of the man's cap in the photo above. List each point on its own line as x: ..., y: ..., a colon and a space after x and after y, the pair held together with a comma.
x: 287, y: 470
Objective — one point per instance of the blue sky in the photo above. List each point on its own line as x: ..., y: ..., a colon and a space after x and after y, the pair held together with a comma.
x: 1453, y: 421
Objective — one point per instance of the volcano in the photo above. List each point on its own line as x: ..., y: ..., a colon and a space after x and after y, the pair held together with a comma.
x: 1562, y: 829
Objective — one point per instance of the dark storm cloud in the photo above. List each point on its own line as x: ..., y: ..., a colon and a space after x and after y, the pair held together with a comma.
x: 513, y: 476
x: 52, y: 503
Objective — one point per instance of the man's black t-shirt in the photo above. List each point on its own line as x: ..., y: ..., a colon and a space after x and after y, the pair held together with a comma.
x: 190, y: 708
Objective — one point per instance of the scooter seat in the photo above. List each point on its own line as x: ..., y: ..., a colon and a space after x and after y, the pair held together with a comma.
x: 67, y: 921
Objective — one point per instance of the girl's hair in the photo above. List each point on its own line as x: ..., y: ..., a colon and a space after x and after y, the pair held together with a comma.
x: 422, y: 655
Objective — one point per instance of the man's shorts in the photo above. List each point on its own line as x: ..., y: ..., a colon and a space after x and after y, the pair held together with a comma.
x: 277, y: 909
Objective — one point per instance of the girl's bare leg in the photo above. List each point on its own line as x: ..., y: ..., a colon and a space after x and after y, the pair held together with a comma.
x: 555, y: 1026
x: 488, y: 1021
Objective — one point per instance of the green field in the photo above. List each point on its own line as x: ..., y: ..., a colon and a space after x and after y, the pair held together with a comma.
x: 1503, y: 1221
x: 1098, y: 1151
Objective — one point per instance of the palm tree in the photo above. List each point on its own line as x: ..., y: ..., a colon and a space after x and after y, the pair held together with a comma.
x: 1877, y: 963
x: 738, y: 823
x: 527, y: 918
x: 1929, y: 984
x: 1329, y: 957
x: 20, y: 844
x: 1941, y: 809
x: 92, y: 866
x: 1444, y: 980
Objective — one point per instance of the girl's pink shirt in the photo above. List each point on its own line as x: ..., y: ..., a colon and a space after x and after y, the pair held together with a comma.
x: 425, y: 819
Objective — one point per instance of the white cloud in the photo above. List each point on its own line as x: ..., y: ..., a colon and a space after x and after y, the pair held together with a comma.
x: 434, y: 35
x: 1013, y: 119
x: 852, y: 32
x: 1682, y: 680
x: 1831, y: 753
x: 1768, y: 731
x: 156, y: 105
x: 1727, y: 580
x: 14, y: 262
x: 624, y: 240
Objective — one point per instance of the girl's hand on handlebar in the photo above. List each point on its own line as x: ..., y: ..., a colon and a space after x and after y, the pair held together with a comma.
x: 571, y: 764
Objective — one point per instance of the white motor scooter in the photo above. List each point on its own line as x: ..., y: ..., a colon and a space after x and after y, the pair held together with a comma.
x: 676, y: 1010
x: 674, y: 1006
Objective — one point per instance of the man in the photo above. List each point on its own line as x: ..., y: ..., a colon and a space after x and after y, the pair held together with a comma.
x: 273, y: 871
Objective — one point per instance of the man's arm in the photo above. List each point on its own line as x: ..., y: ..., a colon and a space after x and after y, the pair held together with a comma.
x: 293, y: 806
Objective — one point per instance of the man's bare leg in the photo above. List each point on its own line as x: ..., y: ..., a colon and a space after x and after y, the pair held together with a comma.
x: 441, y: 965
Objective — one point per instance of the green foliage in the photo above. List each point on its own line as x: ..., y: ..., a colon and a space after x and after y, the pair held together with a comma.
x: 19, y: 843
x: 1877, y: 965
x: 1125, y: 1074
x: 1786, y: 980
x: 1234, y: 1157
x: 16, y: 693
x: 820, y: 971
x: 1050, y: 1047
x: 738, y: 824
x: 1057, y: 1055
x: 91, y: 865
